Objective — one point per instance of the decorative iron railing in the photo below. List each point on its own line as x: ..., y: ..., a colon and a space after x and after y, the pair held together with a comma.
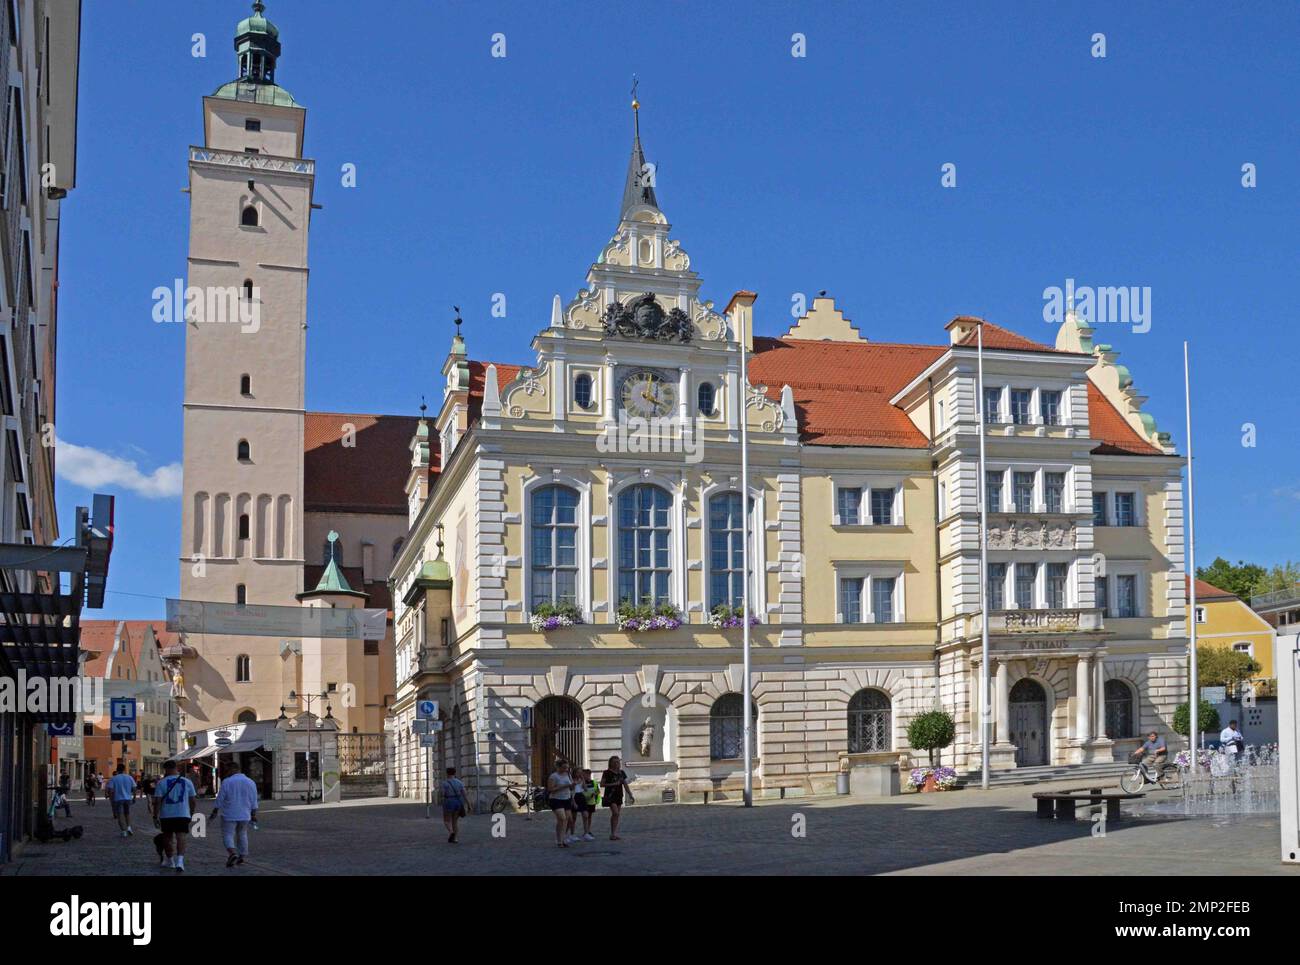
x: 253, y: 162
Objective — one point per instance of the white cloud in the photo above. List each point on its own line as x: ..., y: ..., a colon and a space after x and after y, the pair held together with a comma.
x: 95, y: 470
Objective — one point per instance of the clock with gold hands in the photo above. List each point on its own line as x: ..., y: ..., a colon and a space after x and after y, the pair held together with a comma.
x: 648, y: 394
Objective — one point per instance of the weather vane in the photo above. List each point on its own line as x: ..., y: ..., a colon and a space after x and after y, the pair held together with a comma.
x: 423, y: 408
x: 458, y: 320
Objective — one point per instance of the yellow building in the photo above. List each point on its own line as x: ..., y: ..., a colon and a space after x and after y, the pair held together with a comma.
x: 1224, y: 620
x: 608, y: 471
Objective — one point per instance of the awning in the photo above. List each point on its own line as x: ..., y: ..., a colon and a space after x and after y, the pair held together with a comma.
x: 240, y: 746
x: 194, y: 753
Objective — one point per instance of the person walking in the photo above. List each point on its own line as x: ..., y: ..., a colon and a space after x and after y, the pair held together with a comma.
x: 121, y: 788
x: 173, y: 804
x: 237, y: 805
x: 454, y: 804
x: 65, y: 788
x: 585, y: 799
x: 559, y: 794
x: 614, y: 789
x: 91, y: 783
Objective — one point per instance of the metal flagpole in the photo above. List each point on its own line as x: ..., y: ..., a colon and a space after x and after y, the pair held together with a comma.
x: 747, y: 724
x: 1193, y: 698
x: 986, y: 717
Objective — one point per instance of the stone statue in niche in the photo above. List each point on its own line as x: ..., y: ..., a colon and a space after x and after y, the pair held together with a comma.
x: 645, y: 738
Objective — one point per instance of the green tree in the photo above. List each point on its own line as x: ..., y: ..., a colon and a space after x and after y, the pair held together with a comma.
x: 932, y: 731
x: 1207, y: 718
x: 1239, y: 580
x: 1222, y: 667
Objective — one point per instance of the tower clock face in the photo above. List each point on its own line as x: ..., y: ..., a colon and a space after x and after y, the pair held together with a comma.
x: 648, y: 394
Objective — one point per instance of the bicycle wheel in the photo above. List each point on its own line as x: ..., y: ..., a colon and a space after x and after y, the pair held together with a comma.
x: 1133, y: 781
x: 500, y: 803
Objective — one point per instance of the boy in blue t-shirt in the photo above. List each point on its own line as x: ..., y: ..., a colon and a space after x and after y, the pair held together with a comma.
x: 173, y: 805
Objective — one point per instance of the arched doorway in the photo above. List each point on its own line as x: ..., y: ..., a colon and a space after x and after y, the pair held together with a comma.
x: 557, y: 732
x: 1028, y: 724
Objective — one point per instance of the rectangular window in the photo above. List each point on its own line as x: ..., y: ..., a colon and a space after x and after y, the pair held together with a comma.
x: 1023, y: 492
x: 882, y: 599
x: 1026, y: 576
x: 1099, y: 517
x: 1057, y: 574
x: 1020, y: 402
x: 1101, y: 595
x: 992, y: 406
x: 252, y: 124
x: 882, y: 507
x: 993, y: 491
x: 1200, y: 614
x: 1125, y: 509
x: 300, y: 765
x: 997, y: 586
x: 444, y: 632
x: 943, y: 500
x: 1049, y: 407
x: 1054, y: 491
x: 849, y: 505
x: 1126, y: 595
x: 851, y: 600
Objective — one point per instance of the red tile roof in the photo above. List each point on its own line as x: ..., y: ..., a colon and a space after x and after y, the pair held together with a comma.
x: 367, y: 477
x: 842, y: 389
x: 997, y: 337
x: 1208, y: 591
x: 1112, y: 431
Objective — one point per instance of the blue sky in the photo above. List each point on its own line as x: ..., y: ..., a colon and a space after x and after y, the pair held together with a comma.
x: 478, y: 175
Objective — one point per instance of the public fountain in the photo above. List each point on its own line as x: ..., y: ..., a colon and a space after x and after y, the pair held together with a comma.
x: 1215, y: 784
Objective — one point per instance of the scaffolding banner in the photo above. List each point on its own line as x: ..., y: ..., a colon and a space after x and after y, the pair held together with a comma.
x: 248, y: 620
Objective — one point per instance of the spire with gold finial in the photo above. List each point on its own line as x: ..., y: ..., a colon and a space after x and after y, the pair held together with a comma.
x: 639, y: 189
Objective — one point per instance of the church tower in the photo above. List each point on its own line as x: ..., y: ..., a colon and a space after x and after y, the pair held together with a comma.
x: 245, y: 344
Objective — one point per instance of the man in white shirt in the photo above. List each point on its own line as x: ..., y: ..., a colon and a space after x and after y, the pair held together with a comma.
x: 121, y: 788
x: 1231, y: 740
x: 237, y: 805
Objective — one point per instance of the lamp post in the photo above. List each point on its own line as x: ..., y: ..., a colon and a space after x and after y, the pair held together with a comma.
x: 329, y: 715
x: 986, y: 716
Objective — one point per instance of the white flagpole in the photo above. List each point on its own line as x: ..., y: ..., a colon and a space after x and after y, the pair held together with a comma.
x: 986, y: 716
x: 747, y: 725
x: 1193, y: 698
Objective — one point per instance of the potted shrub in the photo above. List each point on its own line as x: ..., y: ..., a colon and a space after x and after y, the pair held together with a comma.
x: 726, y: 617
x: 645, y: 616
x: 931, y: 731
x: 552, y: 616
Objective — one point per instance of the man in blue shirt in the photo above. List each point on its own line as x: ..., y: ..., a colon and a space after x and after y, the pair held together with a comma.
x: 173, y: 804
x: 121, y: 788
x: 1159, y: 751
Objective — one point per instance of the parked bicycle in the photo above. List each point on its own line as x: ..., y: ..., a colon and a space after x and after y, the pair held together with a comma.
x: 535, y: 798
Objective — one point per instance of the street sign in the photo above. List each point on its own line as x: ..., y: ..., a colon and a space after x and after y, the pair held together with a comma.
x: 59, y: 730
x: 435, y: 726
x: 1214, y: 695
x: 122, y: 718
x: 428, y: 740
x: 420, y: 726
x: 426, y: 709
x: 223, y: 742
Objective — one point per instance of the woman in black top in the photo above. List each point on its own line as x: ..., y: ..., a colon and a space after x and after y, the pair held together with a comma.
x: 614, y: 787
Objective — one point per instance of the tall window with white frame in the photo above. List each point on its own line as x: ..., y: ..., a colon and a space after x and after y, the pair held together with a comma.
x: 727, y: 551
x: 1126, y: 595
x: 992, y: 406
x: 882, y: 599
x: 882, y: 507
x: 848, y: 505
x: 1058, y: 575
x: 1020, y: 406
x: 1125, y: 509
x: 1101, y: 595
x: 851, y: 588
x: 1049, y: 407
x: 644, y: 531
x: 1054, y: 491
x: 1026, y: 577
x: 1023, y: 491
x: 554, y: 555
x: 997, y: 586
x: 1099, y: 515
x: 993, y: 490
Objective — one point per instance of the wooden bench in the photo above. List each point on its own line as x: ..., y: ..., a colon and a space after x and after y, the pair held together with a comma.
x: 716, y: 785
x: 1062, y: 804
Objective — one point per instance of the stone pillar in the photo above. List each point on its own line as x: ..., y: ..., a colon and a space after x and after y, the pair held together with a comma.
x: 1001, y: 707
x: 1099, y: 678
x: 1083, y: 699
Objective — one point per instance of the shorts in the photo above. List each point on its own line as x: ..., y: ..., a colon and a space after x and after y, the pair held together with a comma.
x: 175, y: 825
x: 613, y: 797
x: 452, y: 806
x: 123, y: 808
x: 581, y: 806
x: 560, y: 805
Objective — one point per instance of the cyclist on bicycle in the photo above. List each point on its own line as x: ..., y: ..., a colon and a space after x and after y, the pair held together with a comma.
x: 1159, y: 751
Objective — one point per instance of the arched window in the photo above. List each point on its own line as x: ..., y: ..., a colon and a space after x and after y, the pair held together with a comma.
x: 705, y: 398
x: 582, y: 391
x: 554, y: 554
x: 726, y: 551
x: 241, y: 594
x: 243, y: 452
x: 249, y: 217
x: 246, y: 717
x: 643, y: 535
x: 244, y: 526
x: 726, y: 727
x: 243, y: 669
x: 870, y: 726
x: 245, y: 385
x: 1120, y: 719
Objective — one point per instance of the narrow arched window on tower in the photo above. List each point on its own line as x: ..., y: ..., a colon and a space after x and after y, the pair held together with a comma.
x: 248, y: 290
x: 244, y: 526
x: 243, y: 452
x: 705, y: 398
x: 582, y: 391
x: 245, y: 385
x: 241, y: 594
x: 249, y: 217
